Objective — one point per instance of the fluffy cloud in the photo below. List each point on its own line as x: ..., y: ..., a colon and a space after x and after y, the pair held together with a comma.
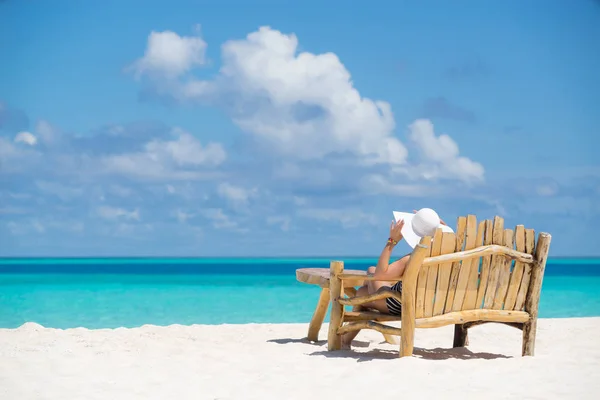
x: 177, y: 158
x: 441, y: 155
x: 170, y: 55
x: 182, y: 216
x: 304, y: 105
x: 136, y: 151
x: 26, y: 137
x: 222, y: 221
x: 235, y: 194
x: 14, y: 157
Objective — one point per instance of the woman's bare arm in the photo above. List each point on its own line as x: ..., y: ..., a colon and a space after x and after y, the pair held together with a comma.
x: 384, y: 270
x: 394, y: 270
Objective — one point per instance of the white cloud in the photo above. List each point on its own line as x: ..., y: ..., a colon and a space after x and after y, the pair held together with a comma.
x: 114, y: 213
x: 16, y: 158
x: 182, y: 216
x: 235, y: 194
x: 441, y: 155
x: 165, y: 158
x: 303, y: 104
x: 170, y: 55
x: 187, y: 150
x: 220, y: 220
x: 26, y: 137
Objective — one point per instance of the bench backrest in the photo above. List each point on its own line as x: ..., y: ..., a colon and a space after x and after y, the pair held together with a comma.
x: 488, y: 282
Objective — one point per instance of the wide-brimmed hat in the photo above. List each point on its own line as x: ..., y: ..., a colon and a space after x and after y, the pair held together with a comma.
x: 417, y: 225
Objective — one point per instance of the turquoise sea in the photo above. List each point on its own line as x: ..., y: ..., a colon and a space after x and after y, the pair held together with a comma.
x: 130, y: 292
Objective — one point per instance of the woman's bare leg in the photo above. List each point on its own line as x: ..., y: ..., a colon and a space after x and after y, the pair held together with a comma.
x: 379, y: 305
x: 374, y: 286
x: 370, y: 287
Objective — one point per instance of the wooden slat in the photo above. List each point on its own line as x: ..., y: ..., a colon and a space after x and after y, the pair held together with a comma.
x: 465, y: 269
x: 461, y: 227
x: 497, y: 238
x: 504, y: 276
x: 485, y: 264
x: 436, y: 248
x: 529, y: 248
x: 351, y: 316
x: 461, y: 317
x: 473, y: 282
x: 443, y: 280
x: 517, y: 274
x: 422, y: 286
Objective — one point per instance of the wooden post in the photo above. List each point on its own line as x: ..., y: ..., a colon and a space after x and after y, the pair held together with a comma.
x: 461, y: 338
x: 409, y: 292
x: 319, y: 315
x: 336, y: 290
x: 532, y: 301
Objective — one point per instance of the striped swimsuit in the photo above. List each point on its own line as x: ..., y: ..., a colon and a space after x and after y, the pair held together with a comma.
x: 393, y: 305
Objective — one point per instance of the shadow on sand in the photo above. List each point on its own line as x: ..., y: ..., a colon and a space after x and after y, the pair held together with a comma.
x: 459, y: 353
x: 319, y: 343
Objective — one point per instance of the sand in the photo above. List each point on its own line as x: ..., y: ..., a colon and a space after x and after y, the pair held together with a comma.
x: 260, y: 361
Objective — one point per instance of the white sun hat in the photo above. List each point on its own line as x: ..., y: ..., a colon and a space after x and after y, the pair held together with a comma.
x: 423, y: 223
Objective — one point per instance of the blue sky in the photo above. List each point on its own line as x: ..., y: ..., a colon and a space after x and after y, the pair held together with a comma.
x: 191, y: 128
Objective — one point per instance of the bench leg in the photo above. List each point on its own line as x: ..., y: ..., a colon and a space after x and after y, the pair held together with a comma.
x: 318, y: 315
x: 391, y: 339
x: 529, y: 331
x: 461, y: 336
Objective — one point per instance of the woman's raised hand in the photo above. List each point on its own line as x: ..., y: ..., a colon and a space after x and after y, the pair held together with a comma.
x: 396, y: 231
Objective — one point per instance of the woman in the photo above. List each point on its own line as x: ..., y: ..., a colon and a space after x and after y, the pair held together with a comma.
x: 384, y: 272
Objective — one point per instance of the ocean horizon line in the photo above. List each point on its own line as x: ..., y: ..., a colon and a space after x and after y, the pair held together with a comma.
x: 308, y: 261
x: 3, y: 258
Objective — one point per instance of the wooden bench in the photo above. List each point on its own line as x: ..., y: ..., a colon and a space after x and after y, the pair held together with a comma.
x: 467, y: 278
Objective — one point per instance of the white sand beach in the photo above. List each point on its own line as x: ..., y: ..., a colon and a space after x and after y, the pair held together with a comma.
x: 274, y: 361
